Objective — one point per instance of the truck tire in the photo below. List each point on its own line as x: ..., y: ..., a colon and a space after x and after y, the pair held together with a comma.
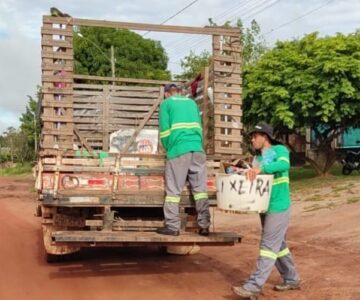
x: 346, y: 170
x: 55, y: 253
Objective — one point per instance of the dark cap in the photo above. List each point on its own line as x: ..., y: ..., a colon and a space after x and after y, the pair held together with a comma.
x: 263, y: 127
x: 169, y: 86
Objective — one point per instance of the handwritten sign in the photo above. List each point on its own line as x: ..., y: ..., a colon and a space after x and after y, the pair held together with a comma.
x: 236, y: 193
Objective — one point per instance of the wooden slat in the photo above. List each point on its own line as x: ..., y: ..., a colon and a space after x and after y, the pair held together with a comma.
x: 228, y: 112
x: 143, y: 122
x: 57, y: 132
x: 57, y: 43
x: 228, y: 90
x: 64, y: 104
x: 57, y: 119
x: 117, y: 87
x: 228, y: 125
x: 234, y: 79
x: 57, y: 67
x: 235, y: 69
x: 57, y: 55
x: 119, y: 101
x: 227, y: 48
x: 57, y: 79
x: 122, y: 79
x: 56, y: 31
x: 82, y: 140
x: 226, y: 58
x: 228, y: 31
x: 57, y: 91
x: 230, y: 101
x: 228, y: 138
x: 228, y: 150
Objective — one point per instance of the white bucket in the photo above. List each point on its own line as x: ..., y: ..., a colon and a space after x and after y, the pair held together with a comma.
x: 237, y: 194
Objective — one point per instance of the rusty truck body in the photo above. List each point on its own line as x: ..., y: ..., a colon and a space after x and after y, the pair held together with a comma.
x: 89, y: 195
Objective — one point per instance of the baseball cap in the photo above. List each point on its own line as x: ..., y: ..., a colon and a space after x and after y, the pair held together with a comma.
x: 169, y: 86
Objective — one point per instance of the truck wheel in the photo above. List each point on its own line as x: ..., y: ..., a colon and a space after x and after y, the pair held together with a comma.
x: 55, y: 253
x: 346, y: 170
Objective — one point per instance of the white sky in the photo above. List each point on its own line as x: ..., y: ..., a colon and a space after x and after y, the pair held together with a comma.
x: 20, y: 22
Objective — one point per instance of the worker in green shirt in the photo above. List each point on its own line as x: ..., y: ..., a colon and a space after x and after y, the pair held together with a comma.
x: 182, y: 139
x: 272, y: 158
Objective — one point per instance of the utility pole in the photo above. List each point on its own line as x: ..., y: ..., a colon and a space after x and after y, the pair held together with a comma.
x: 112, y: 63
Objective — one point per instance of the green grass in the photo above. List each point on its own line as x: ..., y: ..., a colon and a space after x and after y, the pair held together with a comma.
x: 306, y: 177
x: 24, y: 169
x: 353, y: 199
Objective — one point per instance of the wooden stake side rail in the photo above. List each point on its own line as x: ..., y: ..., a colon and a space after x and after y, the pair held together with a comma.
x: 57, y: 85
x: 97, y: 109
x: 227, y: 95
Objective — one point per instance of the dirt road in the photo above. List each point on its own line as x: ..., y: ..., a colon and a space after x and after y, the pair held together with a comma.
x: 325, y: 243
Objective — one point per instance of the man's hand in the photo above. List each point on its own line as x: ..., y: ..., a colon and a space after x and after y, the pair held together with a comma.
x: 252, y: 173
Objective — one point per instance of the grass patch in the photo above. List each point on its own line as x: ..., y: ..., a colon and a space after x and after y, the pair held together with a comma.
x: 305, y: 177
x: 316, y: 197
x: 353, y: 199
x: 24, y: 169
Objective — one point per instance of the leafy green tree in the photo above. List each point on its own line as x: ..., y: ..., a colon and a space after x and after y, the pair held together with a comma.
x: 251, y: 41
x: 311, y: 82
x: 193, y: 64
x: 135, y: 57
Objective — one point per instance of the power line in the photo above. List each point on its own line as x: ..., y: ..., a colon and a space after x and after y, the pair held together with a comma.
x: 255, y: 9
x: 300, y: 17
x: 176, y: 14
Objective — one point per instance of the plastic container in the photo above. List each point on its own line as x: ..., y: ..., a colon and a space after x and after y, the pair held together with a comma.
x: 237, y: 194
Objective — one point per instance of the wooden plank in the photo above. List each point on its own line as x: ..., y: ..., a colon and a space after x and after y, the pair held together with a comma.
x: 57, y: 91
x: 230, y: 125
x: 233, y: 79
x: 130, y: 107
x: 135, y: 101
x: 57, y: 67
x: 235, y: 69
x: 117, y: 87
x: 227, y: 90
x: 226, y: 58
x: 146, y: 118
x: 123, y: 79
x: 57, y: 55
x: 225, y: 150
x: 57, y: 31
x: 227, y: 48
x: 229, y: 101
x: 228, y: 138
x: 57, y: 79
x: 82, y: 140
x: 227, y: 112
x: 57, y: 43
x: 64, y: 104
x: 135, y: 94
x: 57, y: 132
x: 209, y: 30
x: 57, y: 119
x: 106, y: 138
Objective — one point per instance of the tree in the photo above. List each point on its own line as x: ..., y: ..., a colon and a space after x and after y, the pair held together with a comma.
x: 30, y: 126
x: 135, y: 57
x: 193, y: 65
x: 251, y: 41
x: 311, y: 82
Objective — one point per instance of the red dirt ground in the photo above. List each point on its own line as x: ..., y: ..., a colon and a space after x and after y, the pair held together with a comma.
x: 325, y: 243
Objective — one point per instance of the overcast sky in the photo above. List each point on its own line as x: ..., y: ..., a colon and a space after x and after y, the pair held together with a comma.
x: 20, y: 22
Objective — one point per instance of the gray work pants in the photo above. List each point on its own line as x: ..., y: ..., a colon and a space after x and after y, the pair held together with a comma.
x: 192, y: 167
x: 273, y: 251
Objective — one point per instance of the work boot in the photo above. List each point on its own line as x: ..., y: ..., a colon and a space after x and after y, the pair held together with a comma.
x: 286, y: 286
x: 242, y: 292
x: 204, y: 231
x: 167, y: 231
